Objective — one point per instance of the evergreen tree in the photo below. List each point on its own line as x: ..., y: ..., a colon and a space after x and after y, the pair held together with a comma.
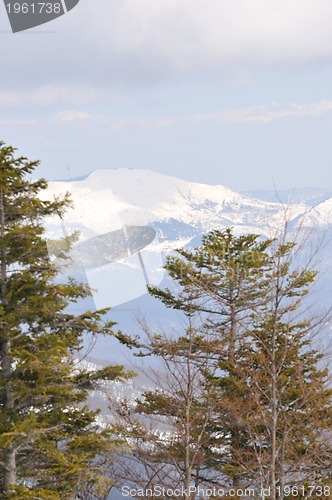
x: 50, y: 443
x: 228, y: 276
x: 216, y: 287
x: 272, y: 407
x: 280, y: 390
x: 171, y: 423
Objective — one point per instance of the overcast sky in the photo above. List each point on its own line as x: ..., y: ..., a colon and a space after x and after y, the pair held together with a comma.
x: 232, y: 92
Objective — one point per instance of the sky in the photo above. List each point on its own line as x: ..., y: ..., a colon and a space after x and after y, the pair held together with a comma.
x: 230, y: 92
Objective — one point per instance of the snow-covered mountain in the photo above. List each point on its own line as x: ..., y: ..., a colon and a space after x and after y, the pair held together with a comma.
x: 310, y: 196
x: 108, y: 198
x: 109, y: 203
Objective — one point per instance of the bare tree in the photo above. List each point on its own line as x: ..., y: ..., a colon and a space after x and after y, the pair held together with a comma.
x: 168, y: 429
x: 244, y: 400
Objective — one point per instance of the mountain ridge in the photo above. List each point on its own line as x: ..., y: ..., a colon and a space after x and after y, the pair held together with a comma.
x: 180, y: 212
x: 137, y: 196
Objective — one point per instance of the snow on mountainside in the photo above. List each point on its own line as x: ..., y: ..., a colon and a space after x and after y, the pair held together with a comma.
x: 107, y: 202
x: 320, y: 215
x: 310, y: 196
x: 106, y: 199
x: 180, y: 212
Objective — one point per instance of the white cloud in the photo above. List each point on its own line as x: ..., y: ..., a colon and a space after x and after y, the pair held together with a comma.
x: 189, y: 34
x: 24, y: 122
x: 71, y: 115
x: 45, y: 96
x: 260, y: 114
x: 264, y: 113
x: 96, y: 119
x: 111, y: 42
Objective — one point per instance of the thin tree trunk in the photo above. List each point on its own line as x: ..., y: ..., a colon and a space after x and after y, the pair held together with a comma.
x: 188, y: 465
x: 231, y: 355
x: 6, y: 359
x: 187, y: 452
x: 233, y: 332
x: 282, y: 466
x: 10, y: 467
x: 274, y: 397
x: 273, y: 419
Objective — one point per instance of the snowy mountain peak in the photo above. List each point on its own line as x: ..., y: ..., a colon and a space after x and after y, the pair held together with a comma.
x: 107, y: 199
x: 320, y: 215
x: 108, y: 204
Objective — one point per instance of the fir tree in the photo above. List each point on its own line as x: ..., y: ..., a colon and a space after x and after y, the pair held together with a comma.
x: 170, y: 426
x: 227, y: 275
x: 280, y: 391
x: 269, y: 400
x: 50, y: 443
x: 215, y: 287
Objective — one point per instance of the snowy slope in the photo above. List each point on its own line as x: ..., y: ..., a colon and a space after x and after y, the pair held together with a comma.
x: 108, y: 198
x: 320, y: 215
x: 180, y: 212
x: 310, y: 196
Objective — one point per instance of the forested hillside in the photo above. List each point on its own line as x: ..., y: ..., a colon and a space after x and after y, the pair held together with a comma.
x: 237, y: 400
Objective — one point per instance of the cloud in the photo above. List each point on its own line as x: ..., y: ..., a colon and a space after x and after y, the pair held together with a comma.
x: 41, y: 96
x: 191, y: 34
x: 97, y: 119
x: 24, y: 122
x: 264, y: 113
x: 253, y: 114
x: 142, y: 41
x: 70, y: 116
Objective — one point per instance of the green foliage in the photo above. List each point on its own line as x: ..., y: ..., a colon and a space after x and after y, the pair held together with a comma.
x: 261, y: 382
x: 50, y: 444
